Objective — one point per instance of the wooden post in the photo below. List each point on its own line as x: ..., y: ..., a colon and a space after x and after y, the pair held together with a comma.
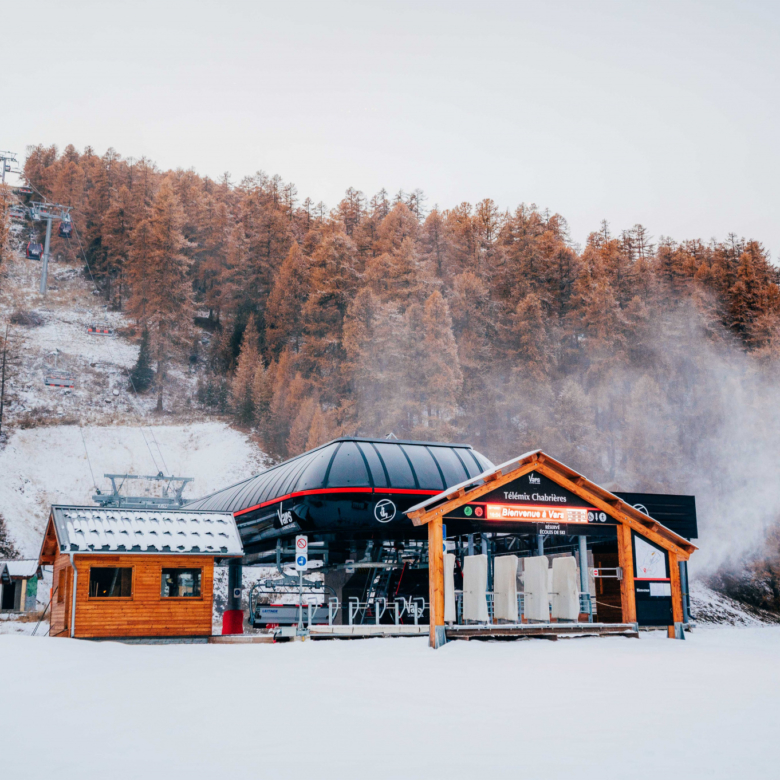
x: 677, y: 607
x: 626, y: 562
x: 435, y: 578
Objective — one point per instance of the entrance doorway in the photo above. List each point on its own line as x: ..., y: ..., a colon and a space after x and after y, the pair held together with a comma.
x: 9, y: 596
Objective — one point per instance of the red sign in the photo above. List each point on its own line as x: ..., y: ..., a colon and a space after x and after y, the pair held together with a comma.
x: 536, y: 514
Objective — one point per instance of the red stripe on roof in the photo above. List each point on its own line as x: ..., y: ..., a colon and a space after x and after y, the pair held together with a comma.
x: 335, y: 490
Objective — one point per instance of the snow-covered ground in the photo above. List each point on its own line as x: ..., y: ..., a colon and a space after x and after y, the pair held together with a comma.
x: 44, y: 466
x: 392, y: 708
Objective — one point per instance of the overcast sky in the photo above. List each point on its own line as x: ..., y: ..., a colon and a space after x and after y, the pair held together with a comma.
x: 664, y: 113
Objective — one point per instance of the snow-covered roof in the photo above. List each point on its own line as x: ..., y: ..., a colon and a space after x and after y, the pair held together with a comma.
x: 24, y: 569
x: 177, y: 532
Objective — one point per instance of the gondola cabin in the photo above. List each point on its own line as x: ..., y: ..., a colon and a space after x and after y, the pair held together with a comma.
x: 135, y: 572
x: 65, y: 230
x: 34, y: 250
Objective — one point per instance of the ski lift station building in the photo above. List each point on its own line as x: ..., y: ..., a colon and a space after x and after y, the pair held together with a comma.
x: 411, y: 537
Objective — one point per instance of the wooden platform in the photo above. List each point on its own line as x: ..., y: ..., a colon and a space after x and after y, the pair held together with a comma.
x: 540, y: 631
x: 242, y: 639
x: 365, y: 632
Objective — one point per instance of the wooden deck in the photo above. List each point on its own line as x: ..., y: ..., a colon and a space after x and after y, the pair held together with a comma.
x: 541, y: 631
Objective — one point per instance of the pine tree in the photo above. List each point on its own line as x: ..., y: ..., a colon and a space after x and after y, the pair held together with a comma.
x: 395, y: 276
x: 161, y: 298
x: 242, y: 387
x: 443, y: 376
x: 284, y: 315
x: 141, y: 376
x: 7, y: 548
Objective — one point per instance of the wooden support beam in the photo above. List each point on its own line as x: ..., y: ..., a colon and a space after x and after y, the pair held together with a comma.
x: 435, y: 577
x: 612, y: 508
x: 674, y: 576
x: 423, y: 516
x: 626, y: 563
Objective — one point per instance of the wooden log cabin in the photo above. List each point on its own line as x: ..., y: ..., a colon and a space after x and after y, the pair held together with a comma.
x: 135, y: 572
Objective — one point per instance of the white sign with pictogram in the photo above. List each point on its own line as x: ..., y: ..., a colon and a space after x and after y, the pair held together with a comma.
x: 301, y: 553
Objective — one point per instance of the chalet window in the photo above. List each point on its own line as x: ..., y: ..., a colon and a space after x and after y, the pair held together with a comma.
x: 181, y: 583
x: 109, y: 582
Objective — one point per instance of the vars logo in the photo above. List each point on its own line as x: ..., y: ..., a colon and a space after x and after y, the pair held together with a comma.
x: 285, y: 518
x: 533, y: 479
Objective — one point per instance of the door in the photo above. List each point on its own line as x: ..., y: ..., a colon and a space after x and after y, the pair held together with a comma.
x: 9, y: 595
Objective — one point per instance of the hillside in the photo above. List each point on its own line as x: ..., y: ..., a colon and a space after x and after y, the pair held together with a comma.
x: 649, y: 363
x: 48, y: 465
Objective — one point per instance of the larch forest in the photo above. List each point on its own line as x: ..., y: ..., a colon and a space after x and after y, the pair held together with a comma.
x: 387, y: 314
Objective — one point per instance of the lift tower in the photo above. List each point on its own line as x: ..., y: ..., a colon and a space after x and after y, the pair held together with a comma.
x: 49, y: 212
x: 6, y: 158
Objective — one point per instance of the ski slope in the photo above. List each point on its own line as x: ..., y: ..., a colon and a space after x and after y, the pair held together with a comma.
x: 44, y: 466
x: 392, y: 708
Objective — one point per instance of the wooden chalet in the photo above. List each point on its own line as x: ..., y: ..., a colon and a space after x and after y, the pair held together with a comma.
x: 535, y: 494
x: 135, y: 572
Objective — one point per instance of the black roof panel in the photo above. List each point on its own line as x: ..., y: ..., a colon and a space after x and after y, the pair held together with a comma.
x: 352, y: 462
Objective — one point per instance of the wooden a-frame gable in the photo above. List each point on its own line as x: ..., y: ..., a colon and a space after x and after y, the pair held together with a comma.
x: 50, y: 546
x: 592, y: 494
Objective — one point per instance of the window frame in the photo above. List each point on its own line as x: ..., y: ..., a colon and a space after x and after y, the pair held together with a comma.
x: 112, y: 565
x: 201, y: 569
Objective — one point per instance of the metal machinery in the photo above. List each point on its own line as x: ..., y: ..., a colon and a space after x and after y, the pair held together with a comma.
x: 170, y: 494
x: 348, y: 496
x: 50, y: 212
x: 7, y: 161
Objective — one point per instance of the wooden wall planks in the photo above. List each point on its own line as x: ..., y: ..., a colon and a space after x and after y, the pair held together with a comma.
x: 146, y: 613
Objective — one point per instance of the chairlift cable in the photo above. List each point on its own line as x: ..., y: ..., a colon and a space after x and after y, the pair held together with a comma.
x: 89, y: 462
x: 132, y: 383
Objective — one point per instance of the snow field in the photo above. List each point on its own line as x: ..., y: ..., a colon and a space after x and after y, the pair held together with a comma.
x: 392, y: 708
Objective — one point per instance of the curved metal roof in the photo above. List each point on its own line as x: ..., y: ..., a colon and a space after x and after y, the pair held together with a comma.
x: 352, y: 463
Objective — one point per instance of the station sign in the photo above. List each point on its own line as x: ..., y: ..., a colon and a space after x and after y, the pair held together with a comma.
x: 536, y: 514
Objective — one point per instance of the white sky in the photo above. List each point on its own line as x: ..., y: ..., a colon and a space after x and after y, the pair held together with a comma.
x: 664, y: 113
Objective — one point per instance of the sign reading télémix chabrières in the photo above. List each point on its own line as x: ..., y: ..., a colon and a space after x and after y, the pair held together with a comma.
x: 533, y: 498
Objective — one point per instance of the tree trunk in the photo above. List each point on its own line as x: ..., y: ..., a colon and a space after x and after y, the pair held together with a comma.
x: 160, y: 383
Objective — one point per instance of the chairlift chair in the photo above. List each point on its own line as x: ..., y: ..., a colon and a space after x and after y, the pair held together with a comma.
x: 100, y: 330
x: 34, y: 250
x: 56, y: 377
x: 17, y: 213
x: 23, y: 191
